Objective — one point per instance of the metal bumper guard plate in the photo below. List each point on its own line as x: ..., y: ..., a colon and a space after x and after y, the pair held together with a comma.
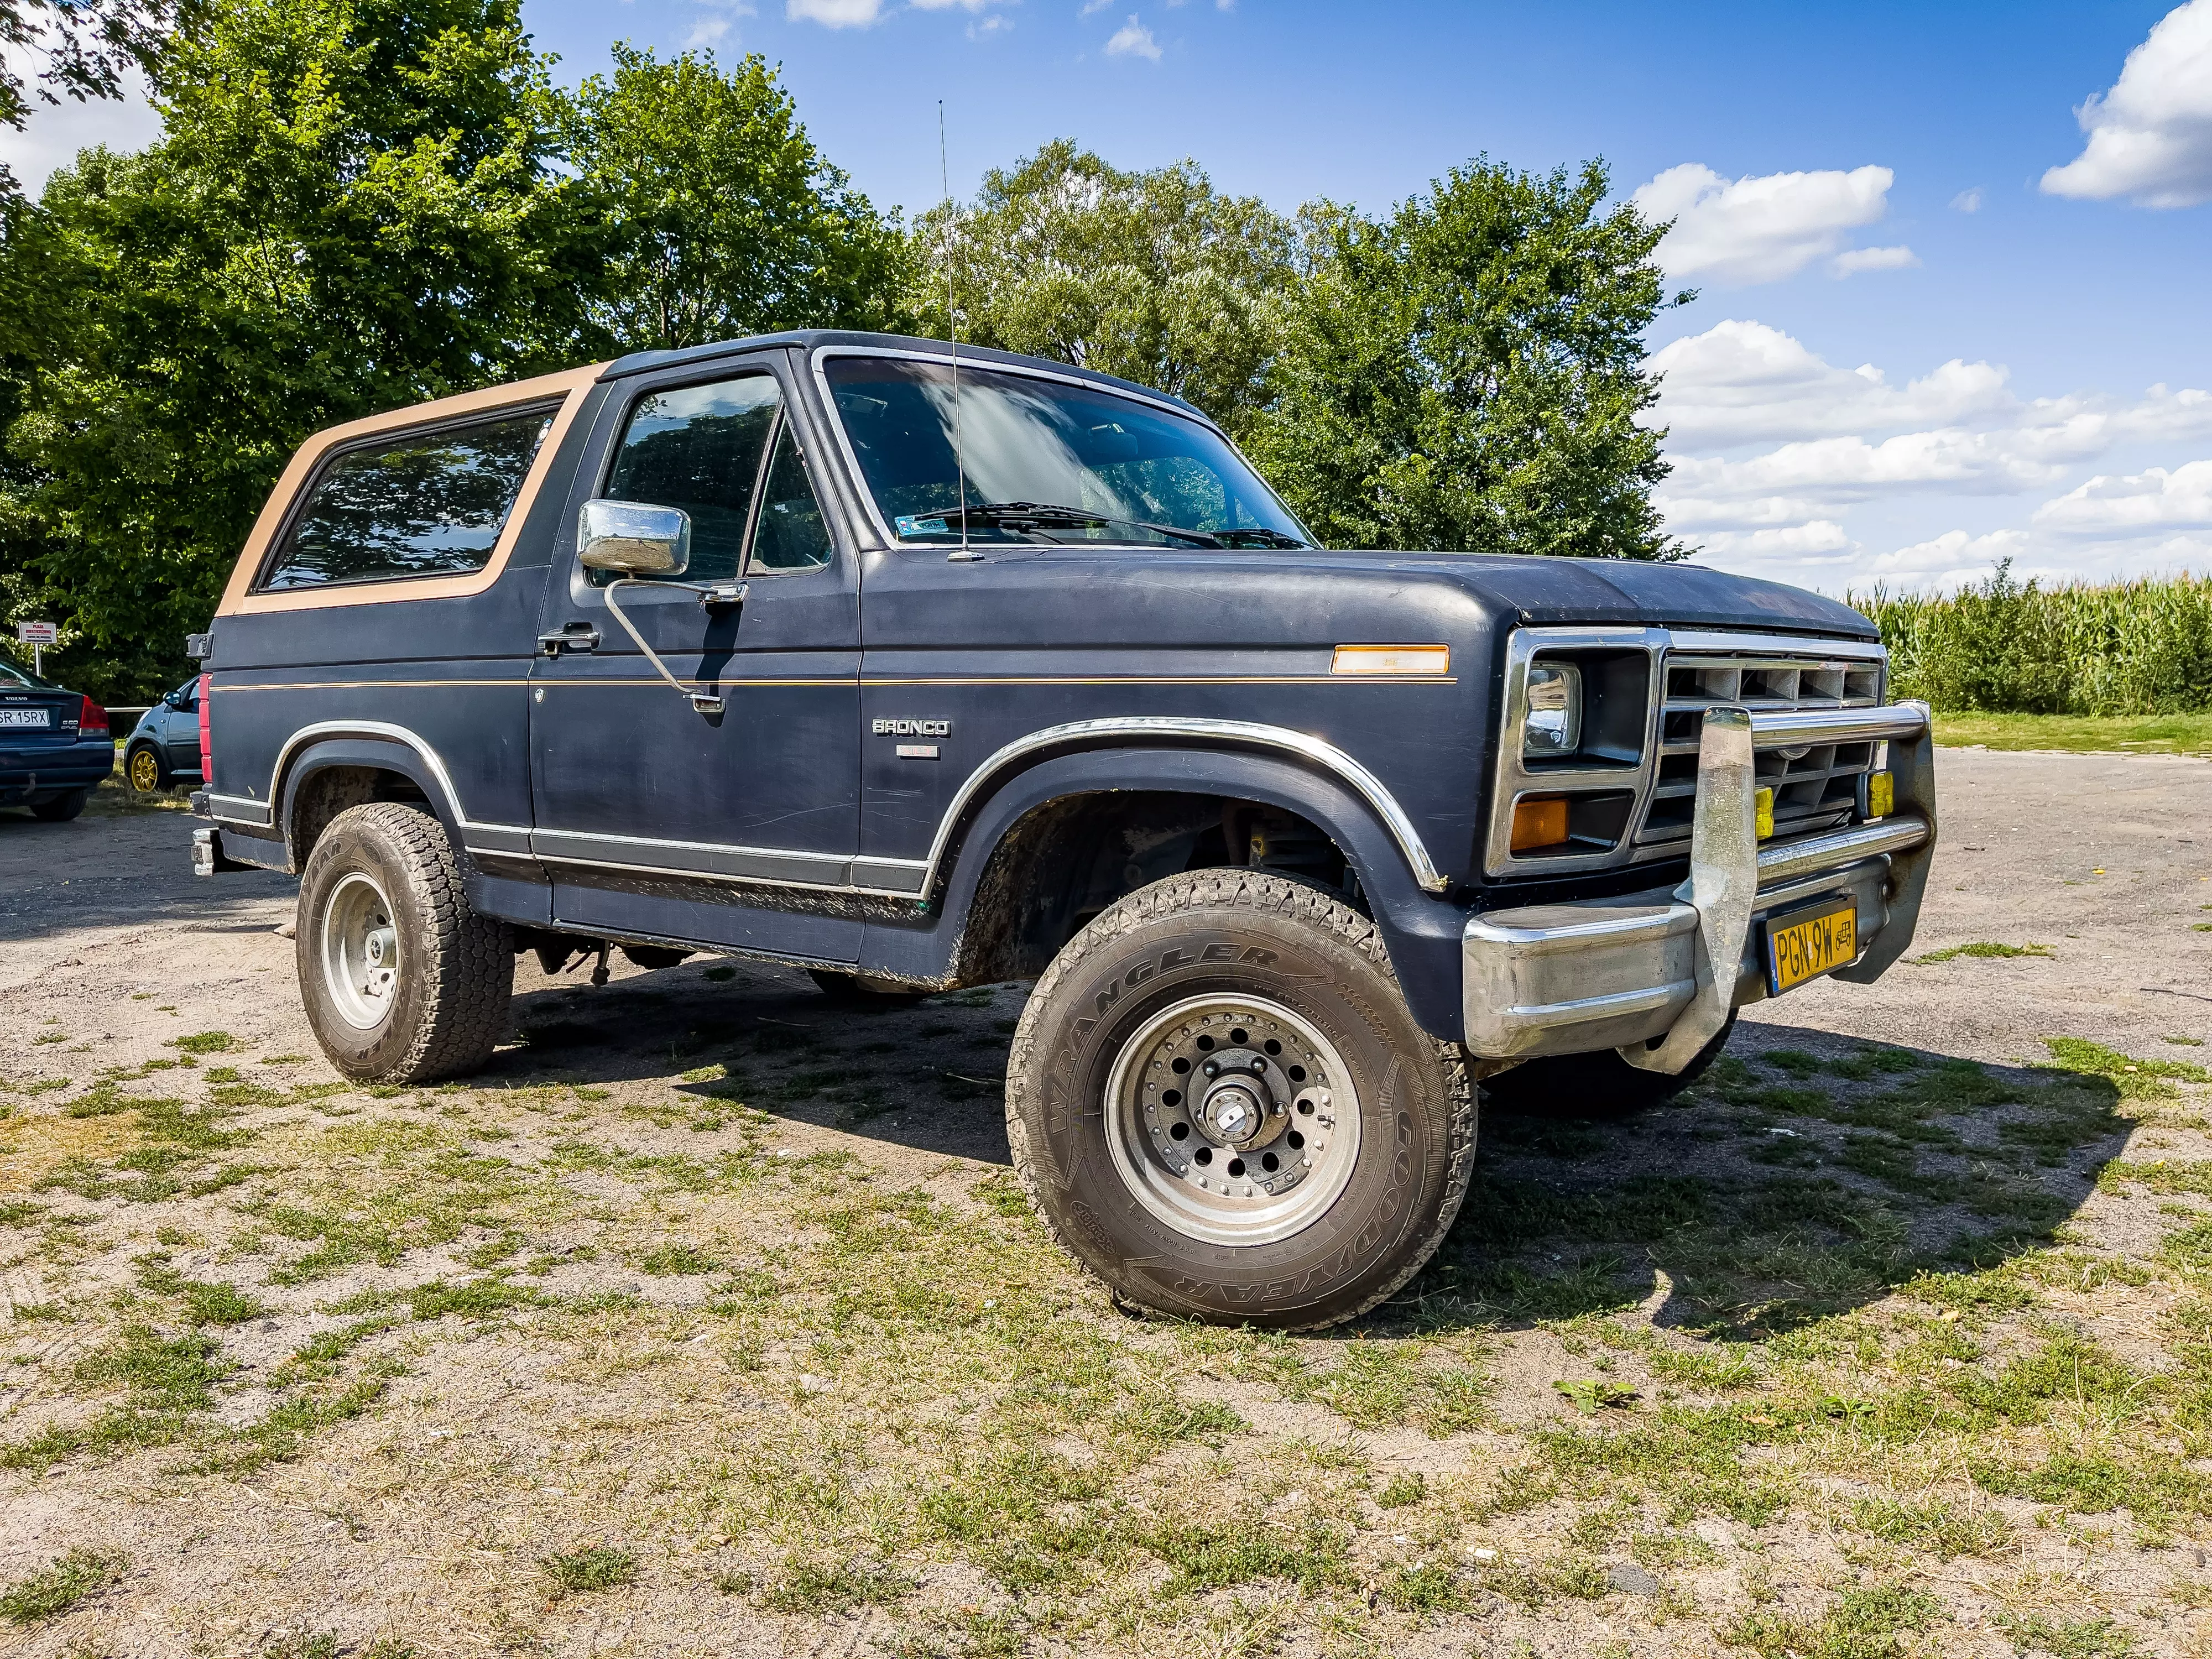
x: 1655, y: 974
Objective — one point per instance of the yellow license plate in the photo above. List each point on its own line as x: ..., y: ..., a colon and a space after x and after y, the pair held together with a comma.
x: 1807, y: 944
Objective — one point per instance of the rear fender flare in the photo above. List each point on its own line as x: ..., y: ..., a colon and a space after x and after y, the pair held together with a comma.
x: 374, y: 751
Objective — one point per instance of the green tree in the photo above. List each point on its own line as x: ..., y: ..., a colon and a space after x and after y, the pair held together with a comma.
x: 1155, y: 277
x: 1467, y: 375
x: 352, y: 207
x: 717, y: 217
x: 87, y: 46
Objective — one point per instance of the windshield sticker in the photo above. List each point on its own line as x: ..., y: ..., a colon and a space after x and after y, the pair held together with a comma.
x: 912, y: 525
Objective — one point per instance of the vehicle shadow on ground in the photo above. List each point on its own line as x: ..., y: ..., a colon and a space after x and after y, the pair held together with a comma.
x: 1805, y: 1175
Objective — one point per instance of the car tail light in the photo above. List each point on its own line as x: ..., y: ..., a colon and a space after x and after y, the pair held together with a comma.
x: 93, y: 719
x: 207, y: 746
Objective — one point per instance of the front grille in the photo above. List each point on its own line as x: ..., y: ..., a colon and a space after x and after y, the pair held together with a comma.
x: 1816, y: 788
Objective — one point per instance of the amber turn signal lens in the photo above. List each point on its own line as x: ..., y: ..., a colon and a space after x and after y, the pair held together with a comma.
x: 1539, y: 822
x: 1881, y: 795
x: 1391, y: 659
x: 1763, y: 810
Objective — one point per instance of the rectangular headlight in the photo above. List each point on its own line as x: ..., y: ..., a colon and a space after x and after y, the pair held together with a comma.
x: 1554, y: 725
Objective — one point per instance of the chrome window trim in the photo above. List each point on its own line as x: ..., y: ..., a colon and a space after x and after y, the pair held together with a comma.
x: 1512, y: 778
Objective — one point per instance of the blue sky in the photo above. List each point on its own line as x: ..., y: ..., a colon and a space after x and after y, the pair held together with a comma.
x: 1934, y: 304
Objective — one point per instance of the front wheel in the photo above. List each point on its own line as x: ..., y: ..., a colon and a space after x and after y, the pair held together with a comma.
x: 403, y: 981
x: 146, y: 770
x: 1221, y: 1106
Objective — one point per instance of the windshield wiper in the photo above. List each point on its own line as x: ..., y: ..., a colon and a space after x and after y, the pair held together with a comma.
x: 1252, y: 536
x: 1015, y: 515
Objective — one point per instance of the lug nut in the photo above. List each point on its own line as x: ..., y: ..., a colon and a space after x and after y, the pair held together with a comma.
x: 1211, y: 1068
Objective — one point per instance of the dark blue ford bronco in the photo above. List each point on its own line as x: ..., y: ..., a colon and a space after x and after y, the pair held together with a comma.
x: 918, y: 671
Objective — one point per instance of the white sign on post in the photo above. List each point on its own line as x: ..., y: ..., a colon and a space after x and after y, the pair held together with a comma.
x: 38, y: 636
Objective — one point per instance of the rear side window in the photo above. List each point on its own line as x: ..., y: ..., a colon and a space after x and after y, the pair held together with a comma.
x: 427, y: 504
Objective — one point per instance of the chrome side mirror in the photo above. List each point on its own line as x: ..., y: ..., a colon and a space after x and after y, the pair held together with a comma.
x: 633, y: 538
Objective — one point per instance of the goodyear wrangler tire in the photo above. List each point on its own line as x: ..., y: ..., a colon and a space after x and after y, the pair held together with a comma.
x: 402, y: 981
x: 1220, y: 1104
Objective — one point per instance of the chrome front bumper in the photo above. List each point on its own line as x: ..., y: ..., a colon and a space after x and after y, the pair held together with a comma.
x: 1655, y: 974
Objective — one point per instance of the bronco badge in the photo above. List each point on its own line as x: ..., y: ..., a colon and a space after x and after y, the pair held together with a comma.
x: 913, y: 728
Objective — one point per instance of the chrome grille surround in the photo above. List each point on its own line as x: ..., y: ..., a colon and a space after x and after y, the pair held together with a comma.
x: 1818, y: 787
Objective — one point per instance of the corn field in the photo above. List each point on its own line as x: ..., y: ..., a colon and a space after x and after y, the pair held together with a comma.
x: 2133, y: 648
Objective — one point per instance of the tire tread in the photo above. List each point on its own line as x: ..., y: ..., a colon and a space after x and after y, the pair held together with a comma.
x: 1292, y: 900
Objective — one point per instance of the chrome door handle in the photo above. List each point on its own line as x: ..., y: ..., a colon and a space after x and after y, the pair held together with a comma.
x: 576, y: 636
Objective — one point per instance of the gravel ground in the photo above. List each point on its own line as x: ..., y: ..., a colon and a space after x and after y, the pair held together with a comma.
x: 731, y: 1287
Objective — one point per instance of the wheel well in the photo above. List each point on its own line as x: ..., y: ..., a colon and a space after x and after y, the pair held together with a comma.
x: 330, y: 790
x: 1065, y: 861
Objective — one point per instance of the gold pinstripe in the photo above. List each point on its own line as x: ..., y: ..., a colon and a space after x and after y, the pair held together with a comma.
x: 582, y: 681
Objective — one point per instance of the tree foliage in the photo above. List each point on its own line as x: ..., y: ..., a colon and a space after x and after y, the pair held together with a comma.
x: 1155, y: 277
x: 1467, y: 372
x: 719, y: 218
x: 356, y: 204
x: 87, y: 46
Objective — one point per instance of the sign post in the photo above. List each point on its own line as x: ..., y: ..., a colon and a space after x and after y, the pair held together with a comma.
x: 38, y: 636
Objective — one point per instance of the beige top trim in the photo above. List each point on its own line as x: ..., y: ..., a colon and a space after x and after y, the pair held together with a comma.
x: 239, y: 599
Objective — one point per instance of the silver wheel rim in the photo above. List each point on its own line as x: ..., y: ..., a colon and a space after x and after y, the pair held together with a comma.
x: 360, y: 951
x: 1232, y: 1119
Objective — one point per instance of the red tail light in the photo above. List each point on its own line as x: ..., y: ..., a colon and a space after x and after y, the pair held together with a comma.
x: 93, y: 719
x: 207, y: 745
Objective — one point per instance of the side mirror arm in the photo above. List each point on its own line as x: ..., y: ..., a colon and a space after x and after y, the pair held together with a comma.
x: 724, y: 593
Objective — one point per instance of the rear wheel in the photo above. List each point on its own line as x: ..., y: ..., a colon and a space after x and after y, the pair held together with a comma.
x: 1599, y: 1085
x: 403, y: 981
x: 146, y: 770
x: 60, y: 809
x: 1221, y: 1106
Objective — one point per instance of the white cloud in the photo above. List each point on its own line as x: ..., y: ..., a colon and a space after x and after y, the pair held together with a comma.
x: 1742, y: 381
x: 1968, y: 201
x: 1133, y: 39
x: 1853, y: 260
x: 1822, y: 536
x: 1090, y: 6
x: 835, y: 14
x: 860, y: 14
x: 706, y: 31
x: 2134, y: 504
x: 1740, y: 231
x: 984, y: 29
x: 2150, y: 137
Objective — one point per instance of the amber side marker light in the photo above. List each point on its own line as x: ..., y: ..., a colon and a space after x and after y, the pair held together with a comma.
x: 1763, y: 812
x: 1539, y: 822
x: 1391, y: 659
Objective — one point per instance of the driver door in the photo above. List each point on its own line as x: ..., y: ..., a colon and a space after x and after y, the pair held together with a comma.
x: 652, y: 817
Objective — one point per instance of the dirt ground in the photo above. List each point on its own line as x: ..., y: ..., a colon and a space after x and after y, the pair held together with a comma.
x: 708, y: 1319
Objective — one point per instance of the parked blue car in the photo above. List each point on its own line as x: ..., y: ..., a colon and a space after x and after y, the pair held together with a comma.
x: 164, y: 747
x: 54, y: 746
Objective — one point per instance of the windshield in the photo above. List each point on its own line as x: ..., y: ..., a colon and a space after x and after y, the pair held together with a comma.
x: 1103, y: 468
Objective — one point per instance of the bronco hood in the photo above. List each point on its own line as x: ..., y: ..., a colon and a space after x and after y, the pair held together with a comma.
x: 1628, y: 591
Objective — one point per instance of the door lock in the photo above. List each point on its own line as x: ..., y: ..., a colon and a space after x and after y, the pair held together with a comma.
x: 570, y: 637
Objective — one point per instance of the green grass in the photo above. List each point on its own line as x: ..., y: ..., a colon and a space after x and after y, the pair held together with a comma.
x: 56, y: 1589
x: 1985, y: 948
x: 2080, y: 734
x: 593, y: 1567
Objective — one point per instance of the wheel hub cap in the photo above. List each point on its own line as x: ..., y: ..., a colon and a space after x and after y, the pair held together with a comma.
x: 360, y: 951
x: 1224, y: 1119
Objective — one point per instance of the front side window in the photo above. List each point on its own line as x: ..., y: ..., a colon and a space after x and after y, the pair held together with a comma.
x: 429, y: 504
x: 1087, y: 464
x: 699, y: 447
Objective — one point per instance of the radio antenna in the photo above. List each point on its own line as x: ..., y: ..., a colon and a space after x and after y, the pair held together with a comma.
x: 952, y: 327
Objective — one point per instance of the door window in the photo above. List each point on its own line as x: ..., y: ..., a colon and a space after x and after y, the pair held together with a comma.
x: 699, y: 447
x: 429, y: 504
x: 791, y: 535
